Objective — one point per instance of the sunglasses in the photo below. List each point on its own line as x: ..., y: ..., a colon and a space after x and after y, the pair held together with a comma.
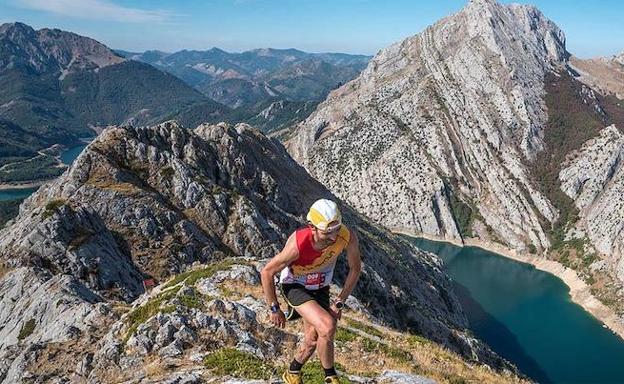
x: 329, y: 230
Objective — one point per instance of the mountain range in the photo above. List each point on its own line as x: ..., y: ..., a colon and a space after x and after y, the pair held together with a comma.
x: 254, y: 77
x: 58, y: 86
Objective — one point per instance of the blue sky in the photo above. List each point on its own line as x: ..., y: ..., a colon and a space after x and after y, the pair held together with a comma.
x: 593, y: 28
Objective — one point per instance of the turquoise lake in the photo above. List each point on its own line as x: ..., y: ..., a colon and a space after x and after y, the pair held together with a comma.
x: 67, y: 157
x: 71, y: 154
x: 527, y: 316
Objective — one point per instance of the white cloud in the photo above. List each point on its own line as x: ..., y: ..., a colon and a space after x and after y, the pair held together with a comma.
x: 96, y: 9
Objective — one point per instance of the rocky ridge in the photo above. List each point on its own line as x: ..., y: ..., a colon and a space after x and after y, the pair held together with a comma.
x: 594, y: 179
x: 441, y: 122
x: 143, y: 203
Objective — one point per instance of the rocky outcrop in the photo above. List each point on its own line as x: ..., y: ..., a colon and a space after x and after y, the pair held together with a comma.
x: 594, y: 179
x: 150, y: 202
x: 434, y: 136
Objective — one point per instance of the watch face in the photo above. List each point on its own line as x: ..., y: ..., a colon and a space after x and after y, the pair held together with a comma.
x: 339, y: 305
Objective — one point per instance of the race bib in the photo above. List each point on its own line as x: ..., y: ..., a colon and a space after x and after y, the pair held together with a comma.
x: 315, y: 279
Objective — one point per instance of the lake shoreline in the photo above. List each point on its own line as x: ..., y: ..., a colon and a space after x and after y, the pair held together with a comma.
x: 23, y: 184
x: 579, y: 291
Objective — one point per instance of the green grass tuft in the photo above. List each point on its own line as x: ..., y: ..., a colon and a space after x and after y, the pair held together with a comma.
x: 141, y: 314
x: 232, y: 362
x: 364, y: 327
x: 192, y: 301
x: 344, y: 335
x: 191, y: 277
x: 313, y: 373
x: 416, y: 340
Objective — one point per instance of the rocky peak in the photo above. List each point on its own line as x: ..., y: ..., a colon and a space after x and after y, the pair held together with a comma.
x: 456, y: 110
x: 52, y: 50
x: 17, y: 30
x: 619, y: 58
x: 510, y: 27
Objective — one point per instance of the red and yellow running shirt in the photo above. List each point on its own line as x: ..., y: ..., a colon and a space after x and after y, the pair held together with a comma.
x: 314, y: 269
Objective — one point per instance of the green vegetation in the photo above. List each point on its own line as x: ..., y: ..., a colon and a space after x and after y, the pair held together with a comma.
x: 344, y: 335
x: 192, y: 301
x: 27, y: 329
x: 141, y: 314
x: 52, y: 206
x: 571, y: 122
x: 191, y: 277
x: 232, y: 362
x: 313, y: 372
x: 464, y: 212
x: 417, y: 340
x: 395, y: 353
x: 37, y: 168
x: 291, y: 113
x: 364, y: 327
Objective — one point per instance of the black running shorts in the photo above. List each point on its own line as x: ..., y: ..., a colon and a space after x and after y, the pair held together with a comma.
x: 296, y: 294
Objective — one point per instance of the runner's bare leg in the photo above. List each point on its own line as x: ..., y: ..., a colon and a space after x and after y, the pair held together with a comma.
x: 308, y: 344
x: 325, y: 326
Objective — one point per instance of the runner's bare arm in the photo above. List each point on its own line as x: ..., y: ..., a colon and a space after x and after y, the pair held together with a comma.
x: 275, y: 265
x: 354, y: 260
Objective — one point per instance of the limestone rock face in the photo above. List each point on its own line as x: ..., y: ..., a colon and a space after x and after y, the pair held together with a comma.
x: 449, y: 116
x: 150, y: 202
x: 594, y: 179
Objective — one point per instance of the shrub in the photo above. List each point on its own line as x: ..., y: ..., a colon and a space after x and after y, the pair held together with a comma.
x: 52, y: 206
x: 167, y: 172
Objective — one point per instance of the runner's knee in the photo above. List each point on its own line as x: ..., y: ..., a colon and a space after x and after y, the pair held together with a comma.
x: 327, y: 327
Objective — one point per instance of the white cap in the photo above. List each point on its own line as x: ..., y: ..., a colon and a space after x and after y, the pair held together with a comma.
x: 322, y: 213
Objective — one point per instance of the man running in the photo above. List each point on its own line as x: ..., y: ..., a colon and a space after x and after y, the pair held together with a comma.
x: 307, y: 265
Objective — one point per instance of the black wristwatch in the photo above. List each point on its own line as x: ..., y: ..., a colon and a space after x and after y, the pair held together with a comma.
x: 275, y: 308
x: 339, y: 304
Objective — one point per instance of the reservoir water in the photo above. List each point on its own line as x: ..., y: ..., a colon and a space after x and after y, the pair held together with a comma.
x: 68, y: 156
x: 17, y: 193
x: 527, y: 316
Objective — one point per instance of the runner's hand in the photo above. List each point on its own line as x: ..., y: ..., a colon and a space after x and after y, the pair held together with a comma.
x: 278, y: 319
x: 335, y: 312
